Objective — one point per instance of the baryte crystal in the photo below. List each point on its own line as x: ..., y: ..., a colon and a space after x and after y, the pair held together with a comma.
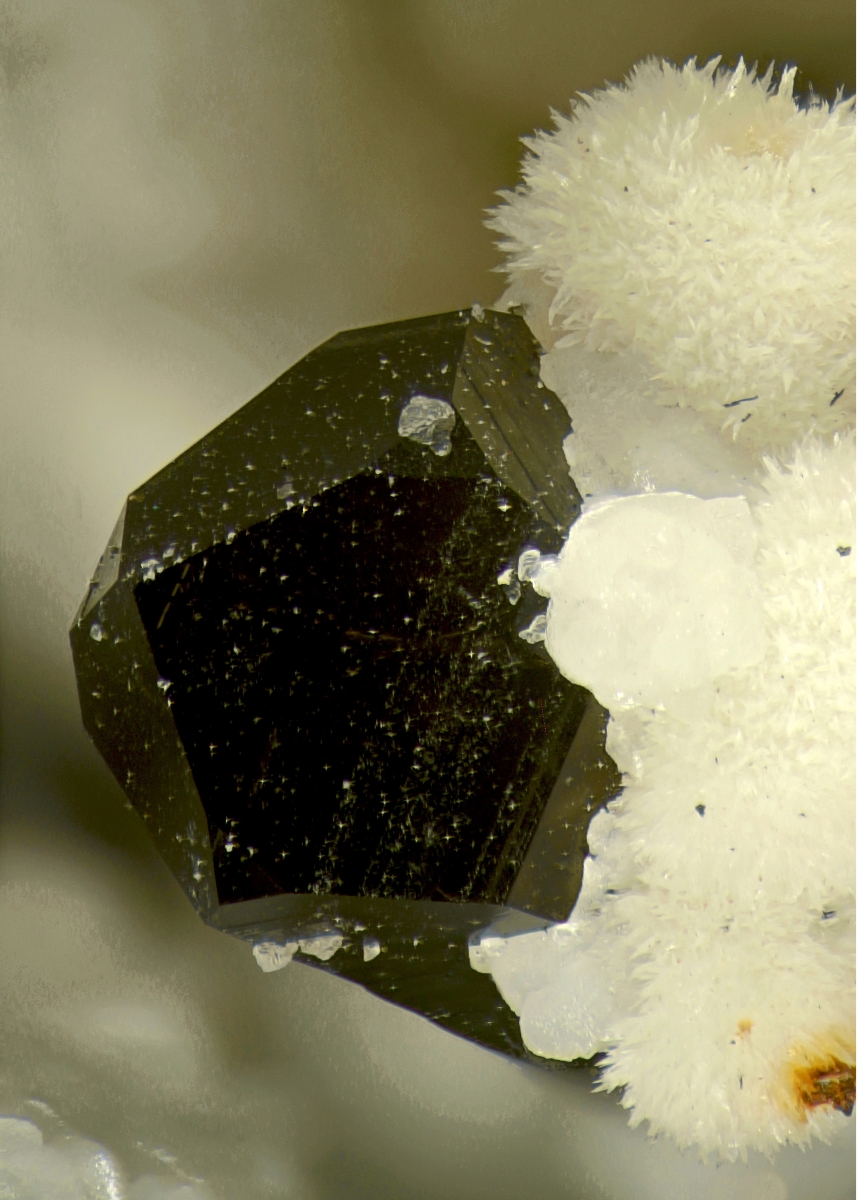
x: 302, y: 657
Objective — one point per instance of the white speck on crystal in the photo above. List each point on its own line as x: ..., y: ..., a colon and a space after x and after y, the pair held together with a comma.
x: 272, y: 956
x: 528, y: 564
x: 371, y: 948
x: 429, y: 421
x: 535, y: 631
x: 322, y: 946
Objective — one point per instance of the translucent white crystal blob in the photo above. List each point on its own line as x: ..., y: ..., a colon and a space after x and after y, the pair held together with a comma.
x: 654, y: 596
x: 271, y: 956
x: 429, y: 421
x: 70, y: 1169
x: 323, y: 946
x: 535, y: 631
x: 566, y: 986
x: 371, y: 948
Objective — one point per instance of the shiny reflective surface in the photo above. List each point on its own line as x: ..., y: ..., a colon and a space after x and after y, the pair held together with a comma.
x: 303, y: 657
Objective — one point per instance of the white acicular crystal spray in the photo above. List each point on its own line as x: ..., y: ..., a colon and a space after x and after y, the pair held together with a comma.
x: 663, y: 244
x: 686, y: 216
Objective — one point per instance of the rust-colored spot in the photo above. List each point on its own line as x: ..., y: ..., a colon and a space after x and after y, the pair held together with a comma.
x: 744, y: 1026
x: 828, y: 1082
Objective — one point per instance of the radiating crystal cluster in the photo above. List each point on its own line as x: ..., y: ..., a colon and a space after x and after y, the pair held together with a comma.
x: 662, y: 243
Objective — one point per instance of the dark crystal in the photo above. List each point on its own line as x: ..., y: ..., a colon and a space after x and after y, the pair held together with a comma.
x: 300, y: 656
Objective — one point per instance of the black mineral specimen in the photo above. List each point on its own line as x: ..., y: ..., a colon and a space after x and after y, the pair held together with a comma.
x: 302, y: 658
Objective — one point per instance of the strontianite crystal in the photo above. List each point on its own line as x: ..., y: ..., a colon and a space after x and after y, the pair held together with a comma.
x: 309, y: 659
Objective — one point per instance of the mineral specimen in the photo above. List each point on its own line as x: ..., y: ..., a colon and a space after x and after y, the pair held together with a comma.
x: 710, y: 956
x: 312, y: 660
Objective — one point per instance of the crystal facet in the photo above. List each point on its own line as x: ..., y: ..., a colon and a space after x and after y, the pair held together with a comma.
x: 308, y: 656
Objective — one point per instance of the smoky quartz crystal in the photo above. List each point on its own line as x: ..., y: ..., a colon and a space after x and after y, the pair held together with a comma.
x: 309, y: 660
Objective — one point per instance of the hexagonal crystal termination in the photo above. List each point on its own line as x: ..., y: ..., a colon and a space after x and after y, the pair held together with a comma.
x: 301, y: 656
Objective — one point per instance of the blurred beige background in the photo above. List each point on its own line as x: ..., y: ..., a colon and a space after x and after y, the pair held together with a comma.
x: 194, y: 193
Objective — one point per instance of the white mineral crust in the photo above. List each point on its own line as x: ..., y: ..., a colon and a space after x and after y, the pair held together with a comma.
x: 663, y: 245
x: 711, y: 946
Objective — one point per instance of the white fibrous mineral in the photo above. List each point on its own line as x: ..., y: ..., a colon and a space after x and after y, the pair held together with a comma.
x: 663, y: 246
x: 656, y: 217
x: 710, y: 953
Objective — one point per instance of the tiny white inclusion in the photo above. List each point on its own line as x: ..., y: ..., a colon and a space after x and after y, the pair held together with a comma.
x: 371, y: 948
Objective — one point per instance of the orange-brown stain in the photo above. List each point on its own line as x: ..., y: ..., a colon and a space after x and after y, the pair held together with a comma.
x: 832, y: 1082
x: 823, y: 1075
x: 744, y: 1026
